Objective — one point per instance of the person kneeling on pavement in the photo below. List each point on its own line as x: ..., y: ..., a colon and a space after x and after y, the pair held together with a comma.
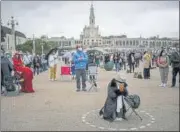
x: 114, y: 107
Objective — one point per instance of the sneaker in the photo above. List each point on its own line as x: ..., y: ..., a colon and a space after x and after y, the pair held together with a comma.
x: 164, y: 85
x: 119, y: 119
x: 172, y: 86
x: 78, y: 90
x: 84, y: 90
x: 161, y: 85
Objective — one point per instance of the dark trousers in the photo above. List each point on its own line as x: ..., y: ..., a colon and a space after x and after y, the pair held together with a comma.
x: 137, y: 63
x: 145, y: 72
x: 28, y: 65
x: 175, y: 71
x: 80, y: 74
x: 36, y: 70
x: 124, y: 65
x: 148, y: 73
x: 131, y: 67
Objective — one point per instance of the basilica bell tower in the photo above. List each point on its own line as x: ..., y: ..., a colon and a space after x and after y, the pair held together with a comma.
x: 92, y: 17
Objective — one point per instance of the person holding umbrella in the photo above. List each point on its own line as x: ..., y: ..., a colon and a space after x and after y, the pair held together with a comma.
x: 80, y: 60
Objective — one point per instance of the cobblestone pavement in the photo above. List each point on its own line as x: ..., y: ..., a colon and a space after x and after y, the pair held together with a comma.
x: 57, y: 106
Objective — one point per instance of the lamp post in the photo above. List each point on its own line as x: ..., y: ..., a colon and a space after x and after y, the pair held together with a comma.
x: 13, y: 23
x: 34, y: 47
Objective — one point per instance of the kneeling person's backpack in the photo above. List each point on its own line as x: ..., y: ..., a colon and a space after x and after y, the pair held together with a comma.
x: 133, y: 100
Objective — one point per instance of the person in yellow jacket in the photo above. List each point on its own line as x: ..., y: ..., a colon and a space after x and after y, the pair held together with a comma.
x: 146, y: 64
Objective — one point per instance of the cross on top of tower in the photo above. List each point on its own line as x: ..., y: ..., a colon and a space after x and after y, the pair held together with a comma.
x: 92, y: 4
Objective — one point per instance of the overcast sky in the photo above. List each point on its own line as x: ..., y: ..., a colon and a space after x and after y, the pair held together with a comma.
x: 67, y: 18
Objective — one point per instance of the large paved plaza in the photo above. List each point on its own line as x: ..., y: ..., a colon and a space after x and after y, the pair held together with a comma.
x: 57, y: 106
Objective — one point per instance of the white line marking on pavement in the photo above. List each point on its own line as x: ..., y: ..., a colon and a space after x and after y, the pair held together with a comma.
x: 87, y: 123
x: 112, y: 129
x: 93, y: 125
x: 141, y: 127
x: 101, y: 128
x: 152, y: 121
x: 148, y: 124
x: 133, y: 129
x: 122, y: 129
x: 92, y: 112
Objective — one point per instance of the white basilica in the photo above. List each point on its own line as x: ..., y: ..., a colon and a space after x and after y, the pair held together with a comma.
x: 90, y: 37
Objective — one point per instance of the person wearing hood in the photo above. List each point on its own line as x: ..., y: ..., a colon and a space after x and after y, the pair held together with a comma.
x: 80, y: 60
x: 115, y: 106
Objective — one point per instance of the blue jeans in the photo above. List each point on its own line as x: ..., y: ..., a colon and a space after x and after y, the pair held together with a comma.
x: 146, y: 70
x: 117, y: 66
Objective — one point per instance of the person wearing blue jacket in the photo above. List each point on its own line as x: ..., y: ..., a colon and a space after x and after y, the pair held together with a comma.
x: 80, y: 60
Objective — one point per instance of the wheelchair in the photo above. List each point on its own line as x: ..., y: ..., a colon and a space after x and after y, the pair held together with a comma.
x: 11, y: 84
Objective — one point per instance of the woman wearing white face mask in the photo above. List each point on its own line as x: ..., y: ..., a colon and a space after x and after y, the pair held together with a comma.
x: 163, y: 63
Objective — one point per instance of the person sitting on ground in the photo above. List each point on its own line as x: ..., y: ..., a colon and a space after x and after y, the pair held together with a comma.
x: 114, y: 107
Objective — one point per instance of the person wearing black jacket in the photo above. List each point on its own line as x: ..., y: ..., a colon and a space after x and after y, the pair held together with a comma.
x: 175, y: 61
x: 36, y: 64
x: 114, y: 107
x: 131, y: 61
x: 6, y: 69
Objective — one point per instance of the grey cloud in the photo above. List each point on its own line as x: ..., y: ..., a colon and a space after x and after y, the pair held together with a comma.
x: 113, y: 17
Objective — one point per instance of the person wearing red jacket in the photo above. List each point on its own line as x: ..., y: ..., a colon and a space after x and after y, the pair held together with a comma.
x: 26, y: 74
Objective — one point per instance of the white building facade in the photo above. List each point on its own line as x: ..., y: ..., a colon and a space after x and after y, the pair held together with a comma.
x: 20, y: 38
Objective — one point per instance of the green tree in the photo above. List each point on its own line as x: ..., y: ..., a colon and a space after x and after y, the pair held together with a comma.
x: 28, y: 46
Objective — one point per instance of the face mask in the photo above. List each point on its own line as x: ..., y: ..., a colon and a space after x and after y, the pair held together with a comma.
x: 80, y: 49
x: 163, y: 54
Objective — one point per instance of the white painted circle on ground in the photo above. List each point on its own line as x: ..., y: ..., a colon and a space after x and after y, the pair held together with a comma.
x: 134, y: 128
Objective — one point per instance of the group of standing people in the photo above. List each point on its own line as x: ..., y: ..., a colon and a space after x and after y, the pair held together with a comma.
x: 121, y: 60
x: 37, y: 63
x: 163, y: 61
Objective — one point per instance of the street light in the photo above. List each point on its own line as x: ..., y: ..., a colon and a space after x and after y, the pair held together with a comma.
x: 13, y: 23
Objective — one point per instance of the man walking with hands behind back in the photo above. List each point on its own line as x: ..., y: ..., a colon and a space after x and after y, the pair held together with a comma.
x: 80, y: 60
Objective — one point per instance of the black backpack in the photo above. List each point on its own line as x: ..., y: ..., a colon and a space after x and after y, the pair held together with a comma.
x: 133, y: 100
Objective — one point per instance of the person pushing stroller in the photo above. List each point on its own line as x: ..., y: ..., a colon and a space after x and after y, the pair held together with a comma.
x: 114, y: 107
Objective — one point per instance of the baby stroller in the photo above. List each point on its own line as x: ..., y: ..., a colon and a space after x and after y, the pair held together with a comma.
x: 12, y: 83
